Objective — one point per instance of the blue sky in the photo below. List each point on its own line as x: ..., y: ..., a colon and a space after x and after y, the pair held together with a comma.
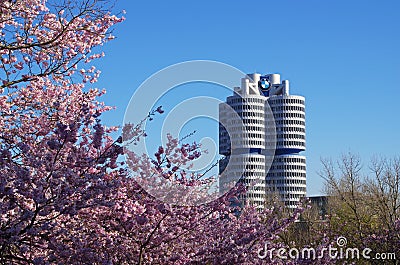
x: 343, y: 56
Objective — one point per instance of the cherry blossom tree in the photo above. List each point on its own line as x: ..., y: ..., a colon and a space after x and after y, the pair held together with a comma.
x: 140, y: 229
x: 54, y: 151
x: 66, y: 197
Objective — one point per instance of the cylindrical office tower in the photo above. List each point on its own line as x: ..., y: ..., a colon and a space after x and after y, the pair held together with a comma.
x: 249, y: 169
x: 289, y: 115
x: 262, y: 132
x: 287, y: 175
x: 287, y: 178
x: 243, y: 139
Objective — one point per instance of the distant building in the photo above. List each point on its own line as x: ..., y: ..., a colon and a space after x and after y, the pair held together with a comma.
x: 263, y: 148
x: 320, y: 203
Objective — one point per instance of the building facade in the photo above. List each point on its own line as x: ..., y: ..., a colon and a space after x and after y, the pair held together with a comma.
x: 262, y: 134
